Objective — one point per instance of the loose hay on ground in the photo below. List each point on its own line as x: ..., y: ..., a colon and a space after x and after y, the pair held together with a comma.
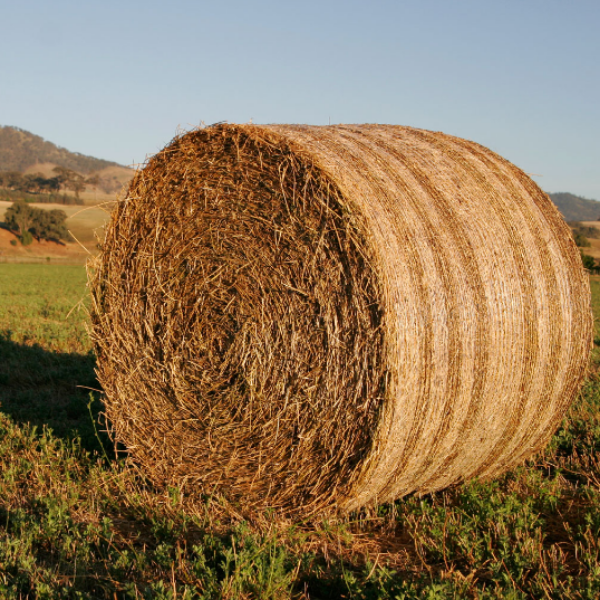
x: 315, y: 318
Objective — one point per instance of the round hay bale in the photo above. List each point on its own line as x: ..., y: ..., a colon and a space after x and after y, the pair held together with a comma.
x: 315, y: 318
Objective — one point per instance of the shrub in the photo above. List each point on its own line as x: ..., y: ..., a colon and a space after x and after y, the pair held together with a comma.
x: 26, y: 238
x: 588, y: 261
x: 581, y: 240
x: 28, y: 221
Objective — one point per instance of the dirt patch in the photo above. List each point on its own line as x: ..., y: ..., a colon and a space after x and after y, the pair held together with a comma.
x: 39, y: 251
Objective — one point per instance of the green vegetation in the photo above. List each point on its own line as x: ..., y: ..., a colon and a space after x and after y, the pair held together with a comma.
x: 581, y: 240
x: 589, y: 262
x: 77, y: 521
x: 29, y: 222
x: 45, y: 352
x: 85, y: 223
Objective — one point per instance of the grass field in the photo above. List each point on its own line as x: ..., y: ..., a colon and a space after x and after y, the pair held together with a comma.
x: 76, y: 521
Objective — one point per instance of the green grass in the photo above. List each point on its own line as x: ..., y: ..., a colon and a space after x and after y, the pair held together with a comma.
x: 595, y: 286
x: 78, y: 522
x: 44, y: 305
x: 46, y: 362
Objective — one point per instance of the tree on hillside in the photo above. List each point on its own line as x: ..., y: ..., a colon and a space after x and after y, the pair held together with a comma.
x: 62, y: 175
x: 19, y: 217
x: 50, y: 225
x: 26, y: 220
x: 77, y: 184
x: 12, y: 180
x: 93, y: 180
x: 36, y: 183
x: 69, y: 179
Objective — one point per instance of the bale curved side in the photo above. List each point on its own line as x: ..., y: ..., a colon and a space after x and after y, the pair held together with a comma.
x: 307, y: 317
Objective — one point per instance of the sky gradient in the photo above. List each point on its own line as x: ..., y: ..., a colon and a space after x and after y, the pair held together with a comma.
x: 117, y: 80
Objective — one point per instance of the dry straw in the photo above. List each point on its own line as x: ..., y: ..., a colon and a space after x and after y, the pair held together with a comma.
x: 314, y: 318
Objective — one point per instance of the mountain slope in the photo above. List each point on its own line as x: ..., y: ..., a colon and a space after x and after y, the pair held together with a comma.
x: 576, y: 208
x: 21, y: 150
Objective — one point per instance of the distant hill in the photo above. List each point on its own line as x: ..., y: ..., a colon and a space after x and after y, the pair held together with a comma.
x: 28, y: 153
x: 576, y: 208
x: 20, y: 150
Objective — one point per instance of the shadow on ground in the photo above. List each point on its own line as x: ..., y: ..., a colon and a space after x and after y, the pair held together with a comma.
x: 52, y: 389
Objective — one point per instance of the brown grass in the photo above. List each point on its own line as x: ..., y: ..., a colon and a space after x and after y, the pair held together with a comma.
x: 313, y: 318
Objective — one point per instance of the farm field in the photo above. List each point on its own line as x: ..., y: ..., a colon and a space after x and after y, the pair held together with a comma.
x: 78, y: 521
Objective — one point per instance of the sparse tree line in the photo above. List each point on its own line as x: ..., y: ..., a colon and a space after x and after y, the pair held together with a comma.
x: 47, y: 189
x: 29, y: 222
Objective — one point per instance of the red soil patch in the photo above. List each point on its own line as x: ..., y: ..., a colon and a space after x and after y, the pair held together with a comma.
x: 44, y: 250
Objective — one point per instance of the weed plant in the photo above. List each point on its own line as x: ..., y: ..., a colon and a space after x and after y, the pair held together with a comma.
x: 77, y: 521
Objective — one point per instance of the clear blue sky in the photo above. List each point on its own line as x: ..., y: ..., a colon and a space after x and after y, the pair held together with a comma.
x: 115, y: 79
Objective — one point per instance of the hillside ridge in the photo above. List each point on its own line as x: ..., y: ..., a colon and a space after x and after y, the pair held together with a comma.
x: 20, y: 150
x: 576, y: 208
